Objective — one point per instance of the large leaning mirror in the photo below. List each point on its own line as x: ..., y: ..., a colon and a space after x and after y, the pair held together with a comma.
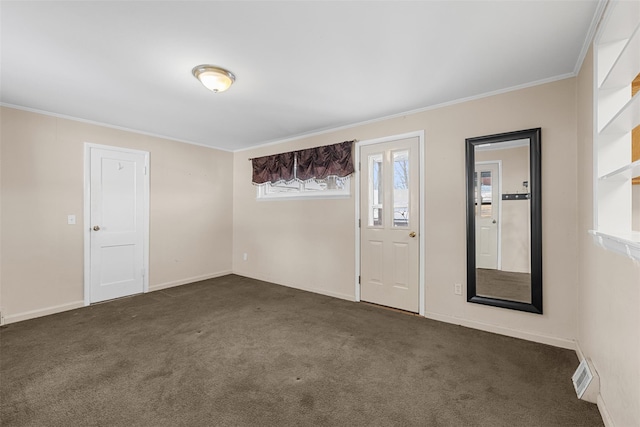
x: 504, y: 230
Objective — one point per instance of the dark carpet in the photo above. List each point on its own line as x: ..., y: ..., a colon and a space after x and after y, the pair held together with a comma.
x: 234, y: 351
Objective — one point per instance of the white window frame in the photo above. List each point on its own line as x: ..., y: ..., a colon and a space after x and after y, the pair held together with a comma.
x: 616, y: 113
x: 263, y: 193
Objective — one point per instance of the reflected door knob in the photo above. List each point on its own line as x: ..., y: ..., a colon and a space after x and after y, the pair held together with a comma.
x: 494, y: 221
x: 412, y: 234
x: 96, y: 227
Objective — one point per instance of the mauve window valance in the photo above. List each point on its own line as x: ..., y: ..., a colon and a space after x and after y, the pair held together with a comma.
x: 328, y: 160
x: 273, y: 169
x: 305, y: 165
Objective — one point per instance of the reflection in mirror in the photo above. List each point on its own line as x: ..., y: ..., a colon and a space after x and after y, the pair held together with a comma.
x: 503, y: 221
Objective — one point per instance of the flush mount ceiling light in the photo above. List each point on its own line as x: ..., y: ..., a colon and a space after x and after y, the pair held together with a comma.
x: 214, y: 78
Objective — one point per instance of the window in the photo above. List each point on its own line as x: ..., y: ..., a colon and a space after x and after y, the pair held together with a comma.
x: 320, y: 172
x: 617, y: 118
x: 376, y: 194
x: 331, y: 187
x: 401, y: 188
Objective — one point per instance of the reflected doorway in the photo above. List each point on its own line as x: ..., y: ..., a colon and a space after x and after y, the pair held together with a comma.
x: 487, y: 195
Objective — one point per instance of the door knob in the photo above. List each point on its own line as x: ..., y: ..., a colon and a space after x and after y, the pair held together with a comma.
x: 96, y: 227
x: 412, y: 234
x: 494, y: 221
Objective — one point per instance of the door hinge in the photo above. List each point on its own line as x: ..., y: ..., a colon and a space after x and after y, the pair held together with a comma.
x: 359, y: 278
x: 145, y: 170
x: 142, y: 272
x: 359, y: 166
x: 359, y: 223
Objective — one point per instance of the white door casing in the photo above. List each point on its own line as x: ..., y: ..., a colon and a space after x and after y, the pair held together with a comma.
x: 116, y: 222
x: 488, y: 206
x: 390, y: 224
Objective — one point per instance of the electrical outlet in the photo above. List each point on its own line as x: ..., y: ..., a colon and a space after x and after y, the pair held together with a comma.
x: 245, y: 256
x: 457, y: 289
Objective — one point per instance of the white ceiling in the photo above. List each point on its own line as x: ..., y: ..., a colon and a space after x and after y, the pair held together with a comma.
x: 301, y: 66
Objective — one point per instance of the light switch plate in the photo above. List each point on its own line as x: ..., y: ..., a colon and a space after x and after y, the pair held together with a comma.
x: 71, y: 219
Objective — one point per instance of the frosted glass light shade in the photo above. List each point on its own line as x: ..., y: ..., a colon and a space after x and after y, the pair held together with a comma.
x: 214, y: 78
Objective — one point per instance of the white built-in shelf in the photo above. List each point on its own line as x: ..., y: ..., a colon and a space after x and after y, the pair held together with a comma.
x: 624, y: 69
x: 620, y: 22
x: 617, y: 59
x: 627, y: 118
x: 624, y: 173
x: 627, y: 243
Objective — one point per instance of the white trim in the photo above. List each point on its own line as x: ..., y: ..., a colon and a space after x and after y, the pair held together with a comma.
x: 628, y: 245
x: 106, y: 125
x: 188, y: 280
x: 358, y: 222
x: 315, y: 132
x: 302, y: 196
x: 319, y: 291
x: 604, y: 412
x: 579, y: 352
x: 86, y: 223
x: 145, y: 208
x: 423, y: 210
x: 590, y: 35
x: 87, y: 214
x: 32, y: 314
x: 566, y: 343
x: 421, y: 202
x: 406, y: 113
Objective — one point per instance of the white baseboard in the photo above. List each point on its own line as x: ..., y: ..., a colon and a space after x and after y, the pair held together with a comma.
x: 602, y: 407
x: 501, y: 330
x: 606, y: 418
x: 32, y: 314
x: 529, y: 336
x: 579, y: 352
x: 187, y: 281
x: 313, y: 290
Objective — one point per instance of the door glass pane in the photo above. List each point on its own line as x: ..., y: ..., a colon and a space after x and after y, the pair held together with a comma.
x: 375, y: 190
x: 401, y: 188
x: 486, y: 194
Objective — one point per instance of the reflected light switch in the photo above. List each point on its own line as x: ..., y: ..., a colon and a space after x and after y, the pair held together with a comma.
x: 71, y: 219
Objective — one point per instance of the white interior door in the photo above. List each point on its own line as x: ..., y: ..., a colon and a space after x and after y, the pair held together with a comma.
x: 118, y: 222
x: 487, y: 189
x: 389, y: 209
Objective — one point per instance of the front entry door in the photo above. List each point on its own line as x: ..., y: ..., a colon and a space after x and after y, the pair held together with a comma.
x: 487, y: 184
x: 389, y: 207
x: 118, y: 223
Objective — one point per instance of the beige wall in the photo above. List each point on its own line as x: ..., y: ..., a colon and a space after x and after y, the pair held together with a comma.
x: 42, y: 182
x: 589, y: 294
x: 515, y: 223
x: 310, y: 244
x: 609, y: 288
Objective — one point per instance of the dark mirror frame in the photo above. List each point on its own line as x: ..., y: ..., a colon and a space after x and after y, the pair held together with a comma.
x: 534, y: 137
